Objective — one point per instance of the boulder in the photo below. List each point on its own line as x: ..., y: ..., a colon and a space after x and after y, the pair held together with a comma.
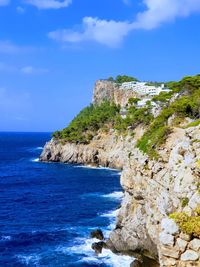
x: 98, y: 247
x: 185, y: 237
x: 169, y: 226
x: 168, y: 262
x: 170, y: 252
x: 166, y: 239
x: 189, y: 255
x: 195, y: 244
x: 182, y: 244
x: 98, y: 234
x: 194, y: 201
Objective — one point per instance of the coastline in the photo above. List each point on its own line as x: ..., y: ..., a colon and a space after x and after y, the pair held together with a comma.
x: 129, y: 258
x: 157, y: 148
x: 147, y: 201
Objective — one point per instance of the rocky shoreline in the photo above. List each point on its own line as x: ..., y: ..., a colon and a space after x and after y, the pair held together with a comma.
x: 154, y: 189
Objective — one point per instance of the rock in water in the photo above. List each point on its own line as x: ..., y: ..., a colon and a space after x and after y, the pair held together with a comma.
x: 98, y: 234
x: 98, y: 247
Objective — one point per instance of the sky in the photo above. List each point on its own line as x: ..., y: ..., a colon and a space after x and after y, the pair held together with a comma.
x: 52, y: 52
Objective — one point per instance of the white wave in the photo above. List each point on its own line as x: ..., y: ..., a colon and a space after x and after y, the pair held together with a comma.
x: 35, y: 160
x: 39, y: 148
x: 111, y: 214
x: 98, y: 168
x: 5, y: 238
x: 110, y: 259
x: 29, y: 259
x: 87, y: 167
x: 115, y: 195
x: 107, y: 257
x: 114, y: 260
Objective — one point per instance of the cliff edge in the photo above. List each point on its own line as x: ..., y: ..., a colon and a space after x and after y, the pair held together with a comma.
x: 159, y: 215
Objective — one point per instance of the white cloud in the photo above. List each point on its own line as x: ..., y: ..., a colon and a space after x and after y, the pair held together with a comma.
x: 49, y: 4
x: 112, y: 33
x: 159, y: 12
x: 127, y: 2
x: 109, y: 33
x: 4, y: 2
x: 20, y: 10
x: 31, y: 70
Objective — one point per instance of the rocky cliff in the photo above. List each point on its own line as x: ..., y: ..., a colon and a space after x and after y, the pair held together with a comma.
x: 111, y: 91
x: 154, y: 189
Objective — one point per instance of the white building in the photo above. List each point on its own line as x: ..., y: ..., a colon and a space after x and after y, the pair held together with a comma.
x: 142, y: 88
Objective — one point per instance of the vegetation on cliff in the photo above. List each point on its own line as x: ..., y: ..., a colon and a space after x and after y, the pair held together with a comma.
x: 188, y: 224
x: 182, y: 101
x: 86, y: 124
x: 187, y: 104
x: 122, y: 79
x: 134, y: 117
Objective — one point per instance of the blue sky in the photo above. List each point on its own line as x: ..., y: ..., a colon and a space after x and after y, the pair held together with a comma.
x: 51, y: 52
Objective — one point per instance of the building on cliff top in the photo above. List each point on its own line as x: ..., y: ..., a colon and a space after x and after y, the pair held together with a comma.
x: 142, y: 88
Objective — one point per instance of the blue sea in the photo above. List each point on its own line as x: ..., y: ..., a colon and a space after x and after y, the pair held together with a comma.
x: 47, y: 210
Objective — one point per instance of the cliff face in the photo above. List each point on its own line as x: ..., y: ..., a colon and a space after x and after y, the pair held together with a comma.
x: 107, y: 90
x: 105, y: 150
x: 153, y: 189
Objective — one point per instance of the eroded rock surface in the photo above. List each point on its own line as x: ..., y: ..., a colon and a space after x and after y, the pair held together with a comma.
x: 153, y: 189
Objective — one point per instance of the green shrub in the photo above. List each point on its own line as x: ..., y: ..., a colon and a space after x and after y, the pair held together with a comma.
x: 187, y: 105
x: 134, y: 117
x: 163, y: 97
x: 184, y: 202
x: 188, y: 224
x: 85, y: 125
x: 133, y: 100
x: 193, y: 124
x: 125, y: 78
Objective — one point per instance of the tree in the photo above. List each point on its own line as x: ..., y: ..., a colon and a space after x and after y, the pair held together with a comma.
x: 125, y: 78
x: 111, y: 79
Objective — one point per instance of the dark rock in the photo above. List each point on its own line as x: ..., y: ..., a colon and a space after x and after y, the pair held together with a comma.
x: 110, y: 246
x: 136, y: 263
x: 98, y: 247
x: 98, y: 234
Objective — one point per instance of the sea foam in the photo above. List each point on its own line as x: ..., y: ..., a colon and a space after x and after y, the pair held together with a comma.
x: 5, y: 238
x: 107, y: 257
x: 115, y: 195
x: 32, y: 259
x: 39, y: 148
x: 35, y: 160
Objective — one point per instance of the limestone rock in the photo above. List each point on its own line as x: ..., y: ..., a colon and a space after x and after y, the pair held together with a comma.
x: 108, y: 90
x: 194, y: 201
x: 169, y: 226
x: 153, y: 188
x: 195, y: 244
x: 168, y: 261
x: 170, y: 252
x: 190, y: 255
x: 185, y: 237
x: 182, y: 244
x: 166, y: 239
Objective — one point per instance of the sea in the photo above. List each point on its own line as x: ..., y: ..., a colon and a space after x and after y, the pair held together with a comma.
x: 47, y: 210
